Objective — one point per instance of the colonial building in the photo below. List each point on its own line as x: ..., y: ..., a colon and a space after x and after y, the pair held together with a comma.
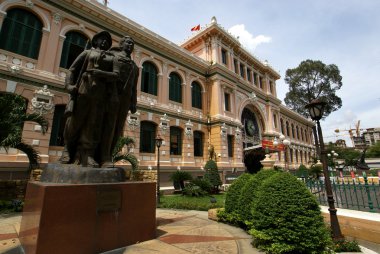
x: 209, y: 90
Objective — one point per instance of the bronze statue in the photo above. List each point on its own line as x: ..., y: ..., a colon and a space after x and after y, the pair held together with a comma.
x: 102, y: 84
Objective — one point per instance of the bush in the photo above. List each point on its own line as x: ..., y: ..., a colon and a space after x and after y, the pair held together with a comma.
x: 249, y: 193
x: 191, y: 203
x: 234, y: 192
x: 346, y: 246
x: 193, y: 190
x: 302, y: 171
x: 212, y: 175
x: 203, y: 184
x: 179, y: 177
x: 316, y: 170
x: 287, y: 218
x: 9, y: 206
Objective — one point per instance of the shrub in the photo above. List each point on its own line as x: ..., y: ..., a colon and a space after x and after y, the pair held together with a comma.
x: 302, y: 171
x: 315, y: 170
x: 234, y: 192
x: 203, y: 184
x: 180, y: 177
x: 193, y: 190
x: 346, y: 246
x: 212, y: 175
x: 287, y: 218
x: 249, y: 193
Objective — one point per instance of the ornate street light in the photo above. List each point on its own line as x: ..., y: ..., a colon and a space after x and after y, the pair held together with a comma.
x: 315, y: 109
x: 158, y: 144
x: 286, y: 143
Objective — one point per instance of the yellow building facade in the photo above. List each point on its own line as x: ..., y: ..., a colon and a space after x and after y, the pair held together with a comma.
x: 209, y: 90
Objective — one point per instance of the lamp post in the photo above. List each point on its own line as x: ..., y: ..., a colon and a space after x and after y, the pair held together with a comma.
x: 158, y: 144
x: 332, y: 156
x: 286, y: 143
x: 315, y: 109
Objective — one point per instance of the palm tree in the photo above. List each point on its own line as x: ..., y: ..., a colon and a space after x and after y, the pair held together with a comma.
x: 12, y: 117
x: 117, y: 154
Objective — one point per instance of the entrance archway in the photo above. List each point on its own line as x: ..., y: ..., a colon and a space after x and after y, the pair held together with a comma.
x: 253, y: 152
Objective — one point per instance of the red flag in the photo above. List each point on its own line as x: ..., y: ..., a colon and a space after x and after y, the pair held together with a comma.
x: 196, y: 28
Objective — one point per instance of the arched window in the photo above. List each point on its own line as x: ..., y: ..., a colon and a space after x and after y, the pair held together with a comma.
x: 198, y: 143
x: 21, y: 33
x: 287, y: 129
x: 147, y: 137
x: 196, y: 95
x: 282, y: 126
x: 149, y: 78
x: 56, y: 137
x: 175, y: 88
x: 175, y: 141
x: 293, y: 133
x: 306, y: 139
x: 73, y: 45
x: 297, y: 133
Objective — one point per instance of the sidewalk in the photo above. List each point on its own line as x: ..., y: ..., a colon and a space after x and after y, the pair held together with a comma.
x: 178, y: 232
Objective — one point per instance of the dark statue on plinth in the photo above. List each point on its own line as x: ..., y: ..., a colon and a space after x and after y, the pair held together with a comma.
x: 102, y: 83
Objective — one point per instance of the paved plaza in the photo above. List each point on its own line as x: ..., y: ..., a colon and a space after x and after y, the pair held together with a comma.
x: 178, y: 232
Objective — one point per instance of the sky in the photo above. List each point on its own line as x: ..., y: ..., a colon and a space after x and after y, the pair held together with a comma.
x: 341, y: 32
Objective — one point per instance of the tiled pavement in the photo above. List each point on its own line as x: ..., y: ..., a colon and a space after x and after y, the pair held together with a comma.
x: 178, y: 232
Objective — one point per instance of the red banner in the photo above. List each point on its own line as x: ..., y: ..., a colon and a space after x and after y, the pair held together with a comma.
x: 269, y: 144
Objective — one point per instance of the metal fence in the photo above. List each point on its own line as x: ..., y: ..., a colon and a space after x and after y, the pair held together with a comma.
x: 355, y: 194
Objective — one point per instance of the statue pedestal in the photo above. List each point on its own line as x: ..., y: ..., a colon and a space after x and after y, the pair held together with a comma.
x: 268, y: 162
x: 87, y: 218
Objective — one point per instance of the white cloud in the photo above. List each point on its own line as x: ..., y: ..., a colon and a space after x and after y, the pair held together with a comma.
x: 247, y: 39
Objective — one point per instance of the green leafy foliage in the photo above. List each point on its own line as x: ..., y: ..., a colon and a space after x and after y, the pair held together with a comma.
x: 191, y: 203
x: 374, y: 151
x: 179, y: 177
x: 249, y: 193
x: 316, y: 170
x: 302, y: 171
x: 203, y: 184
x: 12, y: 117
x: 118, y: 155
x: 212, y: 175
x: 310, y: 80
x: 9, y: 206
x: 287, y: 218
x: 346, y: 246
x: 230, y: 218
x: 234, y: 192
x: 193, y: 190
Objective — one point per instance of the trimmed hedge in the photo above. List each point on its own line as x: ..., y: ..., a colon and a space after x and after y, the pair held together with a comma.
x: 234, y: 192
x: 212, y: 175
x: 249, y: 193
x: 287, y: 218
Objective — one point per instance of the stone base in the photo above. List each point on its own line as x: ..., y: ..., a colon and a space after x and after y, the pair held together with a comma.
x: 87, y: 218
x: 76, y: 174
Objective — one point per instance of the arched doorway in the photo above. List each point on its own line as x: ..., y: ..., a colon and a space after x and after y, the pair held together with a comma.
x: 253, y: 152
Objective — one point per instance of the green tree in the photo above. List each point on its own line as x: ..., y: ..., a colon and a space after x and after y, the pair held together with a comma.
x: 212, y: 175
x: 12, y: 118
x: 374, y: 151
x: 118, y: 155
x: 312, y: 80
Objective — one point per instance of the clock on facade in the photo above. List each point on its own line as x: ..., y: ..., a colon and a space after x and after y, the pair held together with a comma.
x: 250, y: 128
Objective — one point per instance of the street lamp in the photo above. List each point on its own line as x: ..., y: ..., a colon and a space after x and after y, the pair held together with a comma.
x: 332, y: 156
x: 315, y: 109
x: 158, y: 144
x: 286, y: 143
